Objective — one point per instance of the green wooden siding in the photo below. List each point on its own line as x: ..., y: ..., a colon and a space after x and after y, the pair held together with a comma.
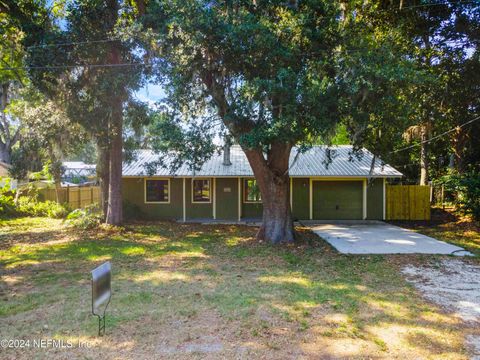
x: 134, y: 192
x: 300, y: 199
x: 337, y: 200
x: 327, y: 196
x: 197, y: 210
x: 375, y: 200
x: 227, y: 198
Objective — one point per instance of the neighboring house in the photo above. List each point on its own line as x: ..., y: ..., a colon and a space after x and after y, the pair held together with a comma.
x: 78, y: 172
x: 4, y: 169
x: 344, y: 189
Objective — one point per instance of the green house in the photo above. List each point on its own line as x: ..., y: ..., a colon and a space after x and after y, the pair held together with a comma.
x: 345, y: 188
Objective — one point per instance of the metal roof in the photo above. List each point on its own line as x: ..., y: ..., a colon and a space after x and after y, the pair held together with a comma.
x: 311, y: 163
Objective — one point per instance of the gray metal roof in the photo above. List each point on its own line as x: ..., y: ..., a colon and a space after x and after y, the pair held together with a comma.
x: 309, y: 164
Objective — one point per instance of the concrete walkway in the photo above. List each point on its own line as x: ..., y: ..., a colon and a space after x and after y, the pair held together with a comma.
x: 377, y: 237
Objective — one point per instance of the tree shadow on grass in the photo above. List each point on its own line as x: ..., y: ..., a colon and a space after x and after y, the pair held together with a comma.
x: 307, y: 292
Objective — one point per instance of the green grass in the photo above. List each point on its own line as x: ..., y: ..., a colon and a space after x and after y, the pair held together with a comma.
x: 168, y: 272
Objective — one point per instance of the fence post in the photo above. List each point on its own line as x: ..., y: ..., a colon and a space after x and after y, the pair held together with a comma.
x: 79, y: 197
x: 68, y: 194
x: 91, y: 195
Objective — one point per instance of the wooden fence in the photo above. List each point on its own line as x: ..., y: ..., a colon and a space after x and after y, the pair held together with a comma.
x: 408, y: 202
x: 75, y: 196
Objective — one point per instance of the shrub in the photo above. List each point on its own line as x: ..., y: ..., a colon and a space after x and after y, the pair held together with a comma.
x: 7, y: 204
x: 132, y: 211
x: 466, y: 190
x: 87, y: 218
x: 31, y: 206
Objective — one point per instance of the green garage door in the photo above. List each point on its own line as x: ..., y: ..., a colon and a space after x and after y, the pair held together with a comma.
x: 338, y: 200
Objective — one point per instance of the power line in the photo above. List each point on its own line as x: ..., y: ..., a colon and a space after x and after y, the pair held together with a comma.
x: 435, y: 137
x: 53, y: 67
x: 118, y: 39
x: 71, y: 43
x: 441, y: 3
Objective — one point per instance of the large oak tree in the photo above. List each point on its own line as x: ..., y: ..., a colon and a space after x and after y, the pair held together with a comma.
x: 270, y: 71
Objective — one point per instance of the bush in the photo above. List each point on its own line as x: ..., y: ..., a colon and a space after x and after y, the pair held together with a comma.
x: 32, y: 207
x: 132, y: 211
x: 87, y: 218
x: 466, y: 190
x: 7, y: 204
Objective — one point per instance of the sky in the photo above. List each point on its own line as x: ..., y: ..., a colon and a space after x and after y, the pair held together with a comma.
x: 150, y: 94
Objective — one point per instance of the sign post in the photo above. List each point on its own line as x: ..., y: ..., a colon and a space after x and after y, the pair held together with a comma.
x: 101, y: 293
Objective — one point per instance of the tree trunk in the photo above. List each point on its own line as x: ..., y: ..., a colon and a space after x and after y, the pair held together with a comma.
x: 5, y: 155
x: 5, y: 138
x: 277, y: 225
x: 423, y: 157
x: 459, y: 144
x: 274, y: 184
x: 114, y: 210
x: 58, y: 189
x: 103, y: 173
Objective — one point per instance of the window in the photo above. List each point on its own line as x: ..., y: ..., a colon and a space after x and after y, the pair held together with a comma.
x: 251, y: 191
x: 157, y: 191
x: 201, y: 191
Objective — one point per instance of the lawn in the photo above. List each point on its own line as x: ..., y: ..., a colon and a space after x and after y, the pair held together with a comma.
x: 449, y: 226
x: 186, y: 290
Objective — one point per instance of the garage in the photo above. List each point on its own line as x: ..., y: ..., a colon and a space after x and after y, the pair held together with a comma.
x: 337, y: 200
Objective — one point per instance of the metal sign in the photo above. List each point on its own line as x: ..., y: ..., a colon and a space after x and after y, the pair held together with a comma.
x: 101, y: 293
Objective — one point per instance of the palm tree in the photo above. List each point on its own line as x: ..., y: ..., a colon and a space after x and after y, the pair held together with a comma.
x: 420, y: 132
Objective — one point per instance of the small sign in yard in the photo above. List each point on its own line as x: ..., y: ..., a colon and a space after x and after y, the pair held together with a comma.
x: 101, y: 293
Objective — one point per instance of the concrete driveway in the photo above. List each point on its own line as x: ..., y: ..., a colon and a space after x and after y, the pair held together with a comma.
x: 377, y: 237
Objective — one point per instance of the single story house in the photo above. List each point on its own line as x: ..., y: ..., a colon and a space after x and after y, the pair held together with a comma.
x: 345, y: 189
x: 78, y: 171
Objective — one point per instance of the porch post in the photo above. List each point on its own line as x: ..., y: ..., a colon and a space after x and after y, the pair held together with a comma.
x: 214, y: 198
x: 384, y: 199
x: 310, y: 197
x: 184, y: 203
x: 364, y: 199
x: 239, y: 199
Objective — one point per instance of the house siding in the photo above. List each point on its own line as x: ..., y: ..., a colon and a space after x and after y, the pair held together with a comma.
x: 250, y: 210
x: 197, y: 210
x: 300, y: 198
x: 134, y: 192
x: 375, y: 200
x: 347, y: 194
x: 226, y: 193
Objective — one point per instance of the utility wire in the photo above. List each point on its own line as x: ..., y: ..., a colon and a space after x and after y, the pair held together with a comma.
x: 71, y: 43
x: 118, y: 39
x: 441, y: 3
x: 436, y: 137
x: 53, y: 67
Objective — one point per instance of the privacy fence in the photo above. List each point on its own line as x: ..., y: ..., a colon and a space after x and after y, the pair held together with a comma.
x: 75, y: 196
x: 407, y: 202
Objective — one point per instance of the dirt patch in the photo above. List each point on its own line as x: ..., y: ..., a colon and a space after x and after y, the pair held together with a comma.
x: 455, y: 286
x: 452, y: 284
